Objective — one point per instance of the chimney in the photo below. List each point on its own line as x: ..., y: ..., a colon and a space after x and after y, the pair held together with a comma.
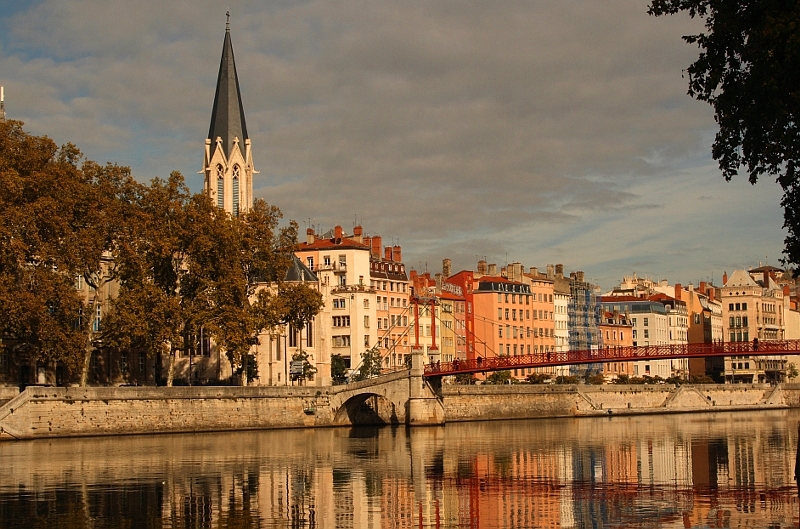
x: 368, y: 243
x: 559, y: 270
x: 310, y: 236
x: 702, y: 287
x: 446, y: 267
x: 492, y: 270
x: 550, y: 271
x: 766, y: 279
x: 387, y: 253
x: 358, y: 234
x: 337, y: 232
x: 482, y: 267
x: 787, y: 290
x: 534, y: 271
x: 579, y: 275
x: 724, y: 278
x: 377, y: 243
x: 711, y: 294
x: 397, y: 254
x: 678, y: 291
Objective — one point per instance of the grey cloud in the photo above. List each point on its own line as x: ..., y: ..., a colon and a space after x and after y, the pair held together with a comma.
x: 543, y: 131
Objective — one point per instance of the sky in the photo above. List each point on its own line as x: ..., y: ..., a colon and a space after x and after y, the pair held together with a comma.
x: 537, y: 131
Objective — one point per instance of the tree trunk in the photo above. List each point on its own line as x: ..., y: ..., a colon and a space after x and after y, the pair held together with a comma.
x: 171, y: 367
x: 87, y: 360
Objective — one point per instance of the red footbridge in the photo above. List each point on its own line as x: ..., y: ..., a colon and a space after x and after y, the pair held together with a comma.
x: 614, y: 354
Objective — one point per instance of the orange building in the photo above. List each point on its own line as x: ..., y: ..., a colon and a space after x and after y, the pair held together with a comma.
x: 504, y: 323
x: 617, y: 331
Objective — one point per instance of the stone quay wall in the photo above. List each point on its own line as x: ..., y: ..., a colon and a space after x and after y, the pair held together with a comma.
x: 41, y: 412
x: 469, y: 403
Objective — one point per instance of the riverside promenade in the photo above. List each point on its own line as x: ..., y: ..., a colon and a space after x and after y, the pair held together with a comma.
x: 40, y: 412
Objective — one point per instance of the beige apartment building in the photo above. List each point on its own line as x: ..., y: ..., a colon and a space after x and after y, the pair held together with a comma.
x: 753, y: 308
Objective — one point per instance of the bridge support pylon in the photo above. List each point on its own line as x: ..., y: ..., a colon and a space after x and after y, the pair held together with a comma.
x: 425, y: 407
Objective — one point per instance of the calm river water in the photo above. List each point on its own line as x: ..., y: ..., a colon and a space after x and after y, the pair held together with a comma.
x: 690, y: 470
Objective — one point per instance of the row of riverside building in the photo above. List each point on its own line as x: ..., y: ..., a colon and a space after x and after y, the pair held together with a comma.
x: 371, y: 301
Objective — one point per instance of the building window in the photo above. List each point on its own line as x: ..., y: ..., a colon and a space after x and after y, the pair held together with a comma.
x: 341, y: 341
x: 744, y: 306
x: 235, y: 191
x: 310, y: 261
x: 220, y: 187
x: 341, y: 321
x: 123, y: 362
x: 292, y: 336
x: 97, y: 319
x: 327, y: 260
x: 499, y: 313
x: 646, y: 323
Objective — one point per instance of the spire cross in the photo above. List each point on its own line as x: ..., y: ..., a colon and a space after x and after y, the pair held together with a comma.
x: 228, y: 21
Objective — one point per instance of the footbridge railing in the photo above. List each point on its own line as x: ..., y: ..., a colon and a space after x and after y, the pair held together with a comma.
x: 614, y: 354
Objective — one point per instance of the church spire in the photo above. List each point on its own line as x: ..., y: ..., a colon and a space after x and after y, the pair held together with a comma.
x: 227, y: 115
x: 2, y: 104
x: 228, y: 162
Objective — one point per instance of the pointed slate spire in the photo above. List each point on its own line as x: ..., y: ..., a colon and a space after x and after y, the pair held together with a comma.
x: 227, y: 116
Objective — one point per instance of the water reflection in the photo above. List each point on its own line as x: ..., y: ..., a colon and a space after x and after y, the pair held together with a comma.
x: 710, y: 470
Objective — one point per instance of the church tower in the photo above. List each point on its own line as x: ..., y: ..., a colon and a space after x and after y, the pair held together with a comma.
x: 228, y: 162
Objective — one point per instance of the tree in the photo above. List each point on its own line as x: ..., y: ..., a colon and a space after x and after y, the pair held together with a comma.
x: 58, y: 217
x: 151, y: 312
x: 596, y: 379
x: 748, y: 71
x: 566, y: 379
x: 499, y: 377
x: 465, y: 379
x: 308, y: 370
x: 791, y: 371
x: 539, y: 378
x: 370, y: 365
x: 338, y: 369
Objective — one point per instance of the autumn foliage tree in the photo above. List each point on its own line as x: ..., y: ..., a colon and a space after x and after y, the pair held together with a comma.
x: 181, y: 264
x: 58, y: 216
x: 748, y: 70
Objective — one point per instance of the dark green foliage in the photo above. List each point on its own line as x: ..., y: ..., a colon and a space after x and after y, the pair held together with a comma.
x: 338, y: 369
x: 370, y: 365
x: 748, y: 70
x: 539, y: 378
x: 499, y: 377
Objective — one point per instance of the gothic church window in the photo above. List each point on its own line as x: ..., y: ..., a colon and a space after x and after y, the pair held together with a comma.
x: 235, y: 191
x: 220, y: 186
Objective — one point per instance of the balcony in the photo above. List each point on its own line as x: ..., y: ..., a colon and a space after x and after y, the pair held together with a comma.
x: 345, y: 289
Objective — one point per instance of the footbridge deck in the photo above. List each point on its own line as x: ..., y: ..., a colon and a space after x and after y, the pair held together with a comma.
x: 614, y: 354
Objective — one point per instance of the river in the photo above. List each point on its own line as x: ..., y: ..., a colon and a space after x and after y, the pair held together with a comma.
x: 656, y: 471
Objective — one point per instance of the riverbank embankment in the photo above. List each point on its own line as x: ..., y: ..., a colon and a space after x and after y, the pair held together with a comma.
x: 40, y: 412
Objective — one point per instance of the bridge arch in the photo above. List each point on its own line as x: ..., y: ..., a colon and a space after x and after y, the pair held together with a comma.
x: 380, y: 400
x: 369, y: 409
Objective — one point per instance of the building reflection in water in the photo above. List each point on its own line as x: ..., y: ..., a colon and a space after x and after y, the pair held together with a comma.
x: 704, y: 470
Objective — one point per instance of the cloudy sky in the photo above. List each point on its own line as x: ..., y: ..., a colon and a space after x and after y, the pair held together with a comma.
x: 533, y: 131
